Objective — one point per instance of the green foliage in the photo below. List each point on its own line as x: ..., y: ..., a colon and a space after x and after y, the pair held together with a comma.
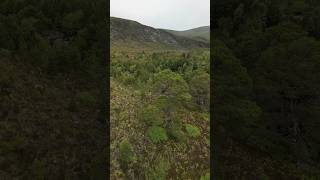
x: 192, y: 131
x: 200, y: 88
x: 205, y: 177
x: 126, y: 151
x: 175, y: 131
x: 266, y: 86
x: 158, y: 171
x: 47, y: 49
x: 178, y: 135
x: 151, y: 115
x: 156, y: 134
x: 171, y: 86
x: 205, y: 116
x: 163, y: 102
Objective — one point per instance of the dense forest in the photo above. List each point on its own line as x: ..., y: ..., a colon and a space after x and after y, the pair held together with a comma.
x: 266, y: 89
x: 53, y: 89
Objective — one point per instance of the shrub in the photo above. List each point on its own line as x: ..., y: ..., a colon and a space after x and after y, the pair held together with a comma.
x: 172, y: 86
x: 205, y: 177
x: 151, y: 115
x: 175, y: 131
x: 156, y: 134
x: 127, y: 78
x: 158, y: 171
x: 178, y: 135
x: 205, y: 116
x: 200, y: 88
x: 192, y: 131
x: 126, y: 152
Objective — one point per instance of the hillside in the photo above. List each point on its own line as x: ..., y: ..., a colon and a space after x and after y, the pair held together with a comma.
x: 52, y: 89
x: 131, y: 34
x: 266, y: 89
x: 159, y: 119
x: 200, y: 33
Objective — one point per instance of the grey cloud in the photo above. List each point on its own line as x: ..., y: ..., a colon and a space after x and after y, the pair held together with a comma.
x: 166, y: 14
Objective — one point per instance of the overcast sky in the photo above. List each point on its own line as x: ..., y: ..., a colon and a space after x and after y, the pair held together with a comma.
x: 166, y: 14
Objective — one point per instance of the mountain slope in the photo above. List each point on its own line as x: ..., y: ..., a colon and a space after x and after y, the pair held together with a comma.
x: 131, y: 34
x: 200, y: 33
